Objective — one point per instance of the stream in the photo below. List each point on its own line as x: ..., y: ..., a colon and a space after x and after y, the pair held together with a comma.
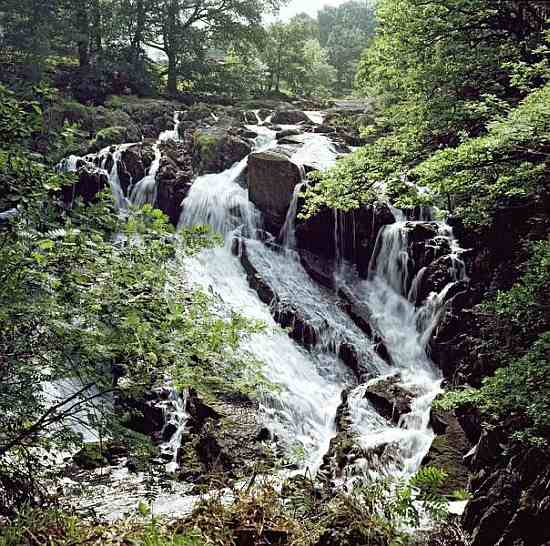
x: 311, y: 380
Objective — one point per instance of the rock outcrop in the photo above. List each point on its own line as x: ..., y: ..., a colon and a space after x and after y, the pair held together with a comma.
x: 272, y: 177
x: 390, y: 399
x: 289, y: 117
x: 90, y: 182
x: 216, y: 149
x: 356, y: 235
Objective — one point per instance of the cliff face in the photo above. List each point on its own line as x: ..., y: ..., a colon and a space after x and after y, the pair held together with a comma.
x: 509, y: 481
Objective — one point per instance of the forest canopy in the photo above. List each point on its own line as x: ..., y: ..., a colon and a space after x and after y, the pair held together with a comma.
x: 221, y: 47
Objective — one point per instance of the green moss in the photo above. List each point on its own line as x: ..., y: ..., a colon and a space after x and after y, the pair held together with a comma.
x: 205, y: 146
x: 91, y: 456
x: 197, y: 112
x: 109, y: 136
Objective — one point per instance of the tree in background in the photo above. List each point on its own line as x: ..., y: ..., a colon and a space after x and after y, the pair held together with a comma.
x: 295, y: 59
x: 460, y: 109
x: 345, y: 31
x: 174, y: 20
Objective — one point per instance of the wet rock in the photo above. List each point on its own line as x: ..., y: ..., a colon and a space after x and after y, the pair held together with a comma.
x: 320, y: 269
x: 289, y: 117
x: 511, y: 500
x: 173, y: 187
x: 488, y: 449
x: 324, y: 129
x: 248, y: 117
x: 174, y: 177
x: 90, y: 182
x: 140, y: 413
x: 215, y: 150
x: 134, y: 164
x: 199, y: 412
x: 90, y: 457
x: 389, y: 398
x: 272, y: 178
x: 286, y: 315
x: 113, y: 135
x: 225, y: 439
x: 288, y: 133
x: 197, y: 112
x: 358, y: 231
x: 448, y: 450
x: 97, y: 455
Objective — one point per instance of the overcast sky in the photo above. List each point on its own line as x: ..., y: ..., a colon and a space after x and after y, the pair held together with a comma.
x: 310, y: 7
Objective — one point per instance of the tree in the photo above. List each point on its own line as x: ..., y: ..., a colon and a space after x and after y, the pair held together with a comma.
x: 345, y: 31
x: 174, y: 22
x: 319, y: 76
x: 283, y: 52
x: 445, y: 76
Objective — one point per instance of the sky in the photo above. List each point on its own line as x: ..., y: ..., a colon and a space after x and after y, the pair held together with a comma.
x: 311, y: 7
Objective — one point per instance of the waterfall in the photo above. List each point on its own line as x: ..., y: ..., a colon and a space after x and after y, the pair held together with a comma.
x: 142, y: 191
x: 406, y: 331
x: 288, y: 231
x: 175, y: 418
x: 145, y: 190
x: 301, y: 413
x: 310, y: 382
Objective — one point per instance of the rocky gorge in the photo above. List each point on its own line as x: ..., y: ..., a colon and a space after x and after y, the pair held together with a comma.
x: 440, y: 271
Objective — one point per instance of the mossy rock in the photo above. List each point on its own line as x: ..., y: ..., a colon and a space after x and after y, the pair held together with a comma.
x: 206, y: 145
x: 108, y: 137
x: 447, y: 452
x: 91, y: 456
x: 197, y: 112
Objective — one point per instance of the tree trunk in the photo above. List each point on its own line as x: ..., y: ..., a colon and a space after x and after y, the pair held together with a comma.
x: 172, y: 74
x: 170, y: 44
x: 97, y: 29
x: 140, y: 30
x: 83, y: 35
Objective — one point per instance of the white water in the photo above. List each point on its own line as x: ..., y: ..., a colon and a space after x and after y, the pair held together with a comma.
x: 302, y: 412
x: 175, y: 415
x: 406, y: 331
x: 141, y: 191
x: 311, y: 382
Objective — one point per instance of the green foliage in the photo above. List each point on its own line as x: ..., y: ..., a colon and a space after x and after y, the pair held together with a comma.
x: 108, y: 136
x: 520, y: 388
x: 509, y: 161
x: 84, y: 292
x: 375, y: 512
x: 57, y: 528
x: 468, y: 135
x: 345, y: 31
x: 525, y: 306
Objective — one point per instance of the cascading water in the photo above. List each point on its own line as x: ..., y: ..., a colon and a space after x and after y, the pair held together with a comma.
x: 311, y: 381
x: 302, y: 412
x: 140, y: 192
x: 406, y: 331
x: 175, y: 421
x: 145, y: 190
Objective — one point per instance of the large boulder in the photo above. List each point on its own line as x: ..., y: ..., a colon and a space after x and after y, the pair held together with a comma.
x: 134, y: 164
x: 173, y: 187
x: 448, y: 450
x: 289, y: 117
x: 215, y: 150
x: 90, y: 181
x: 112, y: 135
x: 390, y: 399
x: 357, y: 235
x: 272, y: 177
x: 174, y: 179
